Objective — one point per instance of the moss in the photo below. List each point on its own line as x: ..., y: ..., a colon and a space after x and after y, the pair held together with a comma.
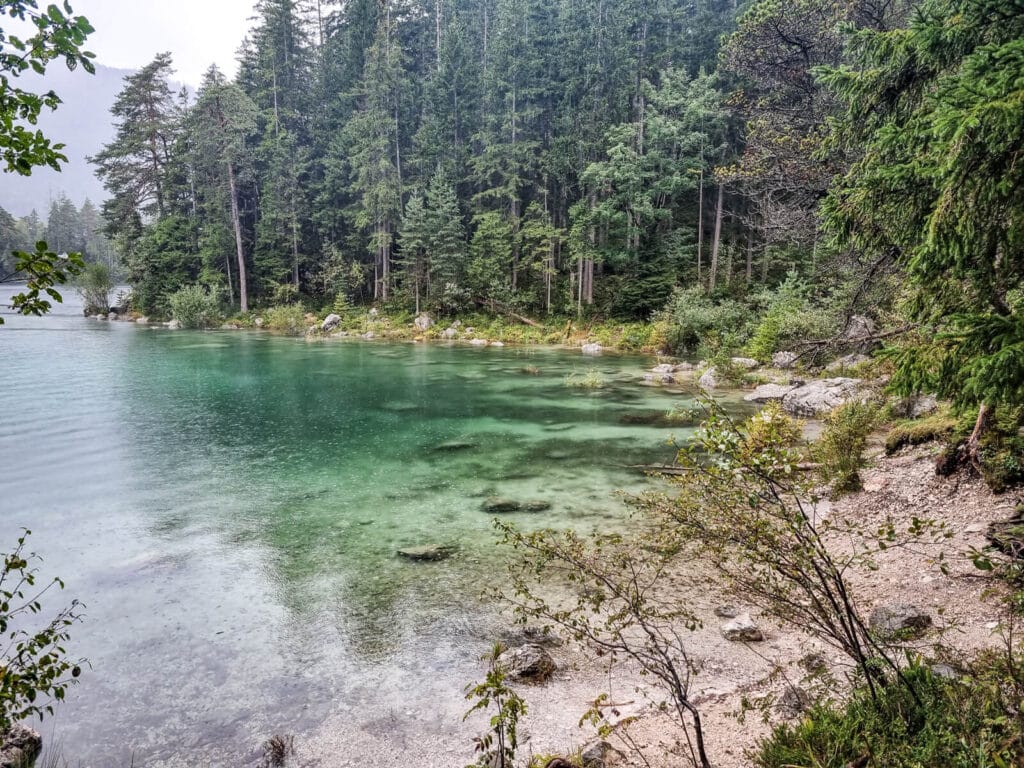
x: 933, y: 428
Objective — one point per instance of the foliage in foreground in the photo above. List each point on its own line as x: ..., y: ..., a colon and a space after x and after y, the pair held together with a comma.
x: 497, y: 747
x: 968, y: 722
x: 35, y: 671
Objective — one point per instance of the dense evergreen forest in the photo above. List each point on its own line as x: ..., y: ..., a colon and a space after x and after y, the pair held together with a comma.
x: 551, y: 157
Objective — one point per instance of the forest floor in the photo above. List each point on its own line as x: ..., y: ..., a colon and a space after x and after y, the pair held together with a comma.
x: 732, y: 674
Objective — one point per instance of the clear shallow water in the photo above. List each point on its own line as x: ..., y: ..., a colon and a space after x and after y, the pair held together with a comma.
x: 228, y: 506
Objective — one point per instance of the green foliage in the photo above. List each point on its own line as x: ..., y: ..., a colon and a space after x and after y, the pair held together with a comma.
x: 694, y: 319
x: 43, y: 270
x: 935, y: 113
x: 195, y: 306
x: 841, y: 445
x: 959, y: 723
x: 94, y: 283
x: 53, y: 33
x: 497, y: 747
x: 289, y: 319
x: 592, y: 379
x: 35, y: 671
x: 789, y: 316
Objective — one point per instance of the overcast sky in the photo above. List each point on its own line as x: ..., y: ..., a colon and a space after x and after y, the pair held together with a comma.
x: 129, y: 33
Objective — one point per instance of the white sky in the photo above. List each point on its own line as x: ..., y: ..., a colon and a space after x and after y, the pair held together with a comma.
x: 129, y: 33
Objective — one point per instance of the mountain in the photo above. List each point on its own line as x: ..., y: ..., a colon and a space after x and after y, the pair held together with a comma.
x: 82, y: 123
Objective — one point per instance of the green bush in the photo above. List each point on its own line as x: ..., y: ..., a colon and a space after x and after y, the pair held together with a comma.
x: 789, y: 316
x: 289, y: 319
x: 694, y: 318
x: 94, y: 284
x: 841, y: 445
x: 195, y: 306
x: 959, y: 723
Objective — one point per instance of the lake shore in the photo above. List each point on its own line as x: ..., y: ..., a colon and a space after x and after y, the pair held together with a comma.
x: 732, y: 674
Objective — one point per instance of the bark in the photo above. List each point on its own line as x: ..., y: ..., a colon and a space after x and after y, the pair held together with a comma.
x: 236, y: 220
x: 715, y: 246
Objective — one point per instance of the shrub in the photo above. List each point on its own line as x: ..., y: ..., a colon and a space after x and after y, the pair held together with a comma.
x: 958, y: 723
x: 289, y: 319
x: 94, y: 284
x: 789, y: 316
x: 34, y: 669
x: 693, y: 318
x: 195, y: 306
x: 841, y: 445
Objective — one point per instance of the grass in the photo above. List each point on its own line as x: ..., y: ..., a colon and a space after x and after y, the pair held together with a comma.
x: 592, y: 379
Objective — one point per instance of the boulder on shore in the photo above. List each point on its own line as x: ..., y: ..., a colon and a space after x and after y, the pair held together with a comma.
x: 709, y: 379
x: 899, y: 622
x: 848, y: 361
x: 423, y: 321
x: 600, y: 754
x: 742, y: 629
x: 174, y: 325
x: 529, y: 663
x: 330, y: 322
x: 746, y: 363
x: 766, y: 393
x: 19, y: 746
x: 818, y: 397
x: 591, y: 349
x: 784, y: 360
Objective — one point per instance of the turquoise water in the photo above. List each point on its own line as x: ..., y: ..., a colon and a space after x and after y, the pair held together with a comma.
x: 228, y: 506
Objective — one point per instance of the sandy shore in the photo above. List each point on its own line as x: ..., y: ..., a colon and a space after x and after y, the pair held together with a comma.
x: 902, y: 486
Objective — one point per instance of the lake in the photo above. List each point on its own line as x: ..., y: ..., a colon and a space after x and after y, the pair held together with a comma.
x: 228, y: 506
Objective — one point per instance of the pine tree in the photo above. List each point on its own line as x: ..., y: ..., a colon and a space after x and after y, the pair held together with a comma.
x: 937, y: 109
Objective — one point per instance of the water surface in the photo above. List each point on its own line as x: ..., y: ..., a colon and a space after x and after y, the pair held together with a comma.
x: 229, y: 505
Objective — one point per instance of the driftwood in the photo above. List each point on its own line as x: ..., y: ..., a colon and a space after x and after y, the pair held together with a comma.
x: 494, y: 306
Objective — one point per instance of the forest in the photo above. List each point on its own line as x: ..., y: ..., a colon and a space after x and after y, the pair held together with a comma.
x: 556, y: 158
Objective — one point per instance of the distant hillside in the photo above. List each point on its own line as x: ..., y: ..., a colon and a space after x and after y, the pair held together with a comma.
x: 83, y: 124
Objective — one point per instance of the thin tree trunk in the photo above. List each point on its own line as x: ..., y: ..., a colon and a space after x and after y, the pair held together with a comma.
x: 236, y: 220
x: 700, y: 225
x: 750, y: 256
x: 718, y: 239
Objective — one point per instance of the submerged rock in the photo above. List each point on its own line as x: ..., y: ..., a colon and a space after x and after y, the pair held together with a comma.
x: 538, y: 505
x: 427, y: 552
x: 901, y: 622
x: 454, y: 445
x: 742, y: 629
x: 530, y: 663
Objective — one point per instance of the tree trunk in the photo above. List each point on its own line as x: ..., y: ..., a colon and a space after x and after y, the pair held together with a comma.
x: 981, y: 425
x: 236, y: 220
x: 700, y: 225
x: 718, y: 239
